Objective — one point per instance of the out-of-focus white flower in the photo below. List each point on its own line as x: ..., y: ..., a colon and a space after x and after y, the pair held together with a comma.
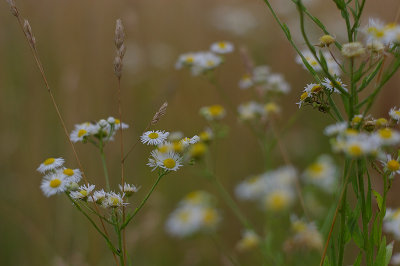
x: 213, y: 112
x: 322, y: 173
x: 394, y: 113
x: 222, y: 47
x: 249, y: 240
x: 335, y: 129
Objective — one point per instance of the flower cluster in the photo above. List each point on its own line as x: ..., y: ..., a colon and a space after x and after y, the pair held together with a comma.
x: 59, y: 179
x: 195, y: 213
x: 249, y: 240
x: 173, y: 150
x: 306, y: 236
x: 333, y: 67
x: 379, y: 34
x: 202, y: 62
x: 103, y: 130
x: 274, y: 190
x: 253, y: 110
x: 265, y: 81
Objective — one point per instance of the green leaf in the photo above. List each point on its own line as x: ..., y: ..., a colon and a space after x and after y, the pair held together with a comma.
x: 358, y: 260
x: 378, y: 198
x: 389, y: 250
x: 381, y: 256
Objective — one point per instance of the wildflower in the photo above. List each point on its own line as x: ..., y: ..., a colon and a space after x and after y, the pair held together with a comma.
x: 261, y: 73
x: 313, y: 88
x: 251, y: 188
x: 222, y: 47
x: 246, y: 82
x: 360, y: 145
x: 210, y: 217
x: 276, y: 83
x: 335, y: 129
x: 154, y: 137
x: 53, y: 184
x: 197, y: 150
x: 326, y: 40
x: 305, y: 235
x: 356, y: 120
x: 72, y: 175
x: 394, y: 114
x: 381, y: 122
x: 198, y: 198
x: 271, y: 108
x: 187, y: 60
x: 175, y: 136
x: 206, y: 135
x: 118, y: 125
x: 128, y: 189
x: 213, y: 112
x: 387, y: 137
x: 83, y: 192
x: 330, y: 86
x: 249, y: 240
x: 187, y: 141
x: 249, y: 111
x: 375, y: 46
x: 353, y: 49
x: 391, y: 222
x: 50, y: 164
x: 303, y: 98
x: 114, y: 200
x: 98, y: 197
x: 80, y: 132
x: 333, y: 68
x: 279, y: 199
x: 205, y: 61
x: 184, y: 221
x: 322, y: 173
x: 169, y: 161
x: 391, y: 165
x: 377, y: 31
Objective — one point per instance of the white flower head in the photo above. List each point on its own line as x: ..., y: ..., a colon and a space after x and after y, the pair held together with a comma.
x: 222, y: 47
x: 391, y: 165
x: 261, y: 73
x: 335, y: 129
x: 394, y: 113
x: 114, y: 200
x: 83, y: 192
x: 154, y: 137
x: 128, y: 189
x: 250, y: 110
x: 386, y: 137
x: 72, y: 175
x: 213, y: 112
x: 330, y: 86
x: 53, y: 184
x: 322, y: 173
x: 249, y: 240
x: 118, y: 125
x: 98, y: 197
x: 169, y: 161
x: 81, y: 131
x: 184, y: 221
x: 50, y: 164
x: 246, y: 82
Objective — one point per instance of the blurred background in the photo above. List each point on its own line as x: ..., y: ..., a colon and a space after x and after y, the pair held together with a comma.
x: 75, y: 42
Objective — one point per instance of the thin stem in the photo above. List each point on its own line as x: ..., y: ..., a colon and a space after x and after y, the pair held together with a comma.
x: 104, y: 163
x: 360, y: 175
x: 346, y: 179
x: 129, y: 218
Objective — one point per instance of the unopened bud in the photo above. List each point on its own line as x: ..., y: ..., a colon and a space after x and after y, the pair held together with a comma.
x: 326, y: 40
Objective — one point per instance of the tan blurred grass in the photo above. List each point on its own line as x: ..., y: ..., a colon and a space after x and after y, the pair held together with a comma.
x: 75, y: 40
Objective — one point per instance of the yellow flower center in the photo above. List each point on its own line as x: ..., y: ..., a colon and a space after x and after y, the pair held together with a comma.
x: 299, y: 226
x: 189, y: 59
x: 184, y: 216
x: 178, y: 146
x: 114, y: 201
x: 393, y: 165
x: 68, y: 172
x: 271, y: 108
x: 397, y: 112
x: 222, y: 45
x: 83, y: 192
x: 198, y: 149
x: 303, y: 96
x: 385, y: 133
x: 277, y: 201
x: 316, y: 88
x: 316, y: 169
x: 351, y: 131
x: 381, y: 122
x: 210, y: 63
x: 117, y: 121
x: 210, y: 216
x: 49, y: 161
x: 204, y: 136
x: 81, y: 132
x: 216, y: 110
x: 356, y: 119
x: 355, y: 150
x: 153, y: 135
x: 55, y: 183
x: 163, y: 148
x: 326, y: 40
x: 169, y: 163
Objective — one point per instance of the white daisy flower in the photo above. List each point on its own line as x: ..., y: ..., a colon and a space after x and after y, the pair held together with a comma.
x: 53, y: 184
x: 206, y: 61
x: 118, y: 125
x: 252, y: 188
x: 391, y: 222
x: 333, y: 68
x: 386, y: 137
x: 50, y: 164
x: 391, y: 165
x: 261, y: 73
x: 276, y: 83
x: 394, y: 113
x: 312, y: 88
x: 250, y: 110
x: 246, y: 82
x: 279, y: 199
x: 83, y: 192
x: 213, y: 112
x: 222, y: 47
x: 360, y: 145
x: 376, y: 30
x: 335, y: 129
x: 187, y: 60
x: 329, y: 85
x: 206, y: 135
x: 114, y: 200
x: 98, y: 197
x: 72, y: 175
x: 209, y: 217
x: 170, y: 161
x: 154, y: 137
x: 81, y: 131
x: 184, y: 221
x: 187, y: 141
x: 303, y: 98
x: 271, y: 108
x: 249, y: 240
x: 175, y: 136
x: 128, y: 189
x: 356, y: 120
x: 322, y: 173
x: 198, y: 197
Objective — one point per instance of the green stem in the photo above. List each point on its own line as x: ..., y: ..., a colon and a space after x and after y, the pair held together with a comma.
x: 343, y: 214
x: 103, y: 161
x: 360, y: 175
x: 110, y: 245
x: 130, y: 217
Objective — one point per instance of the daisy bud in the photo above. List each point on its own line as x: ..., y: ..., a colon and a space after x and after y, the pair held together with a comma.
x: 111, y: 120
x: 326, y: 40
x: 103, y: 123
x: 353, y: 49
